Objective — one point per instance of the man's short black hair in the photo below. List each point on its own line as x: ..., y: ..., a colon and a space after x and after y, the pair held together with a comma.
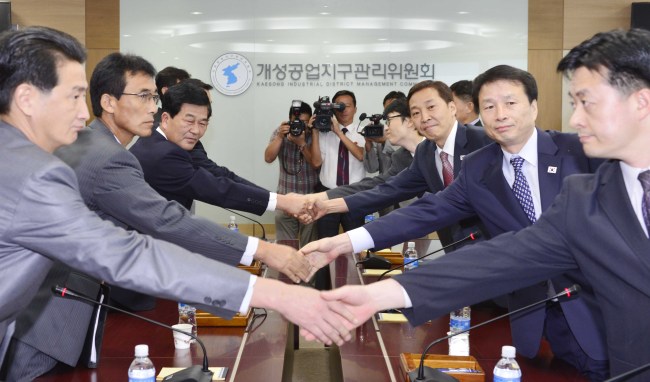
x: 31, y: 55
x: 443, y: 90
x: 399, y: 106
x: 505, y: 73
x: 170, y: 76
x: 462, y: 89
x: 109, y: 76
x: 304, y: 109
x: 625, y: 55
x: 395, y: 94
x: 184, y: 93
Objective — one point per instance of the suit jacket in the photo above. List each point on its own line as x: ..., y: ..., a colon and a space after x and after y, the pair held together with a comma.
x: 401, y: 159
x: 591, y: 226
x: 422, y: 176
x: 481, y: 189
x: 45, y: 220
x: 171, y: 171
x: 112, y: 185
x: 200, y: 159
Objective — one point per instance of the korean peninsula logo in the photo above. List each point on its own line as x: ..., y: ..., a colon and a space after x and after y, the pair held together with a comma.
x: 231, y: 74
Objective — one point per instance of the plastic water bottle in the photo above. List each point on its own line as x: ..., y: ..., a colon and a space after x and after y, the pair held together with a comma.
x: 410, y: 257
x: 142, y: 369
x: 187, y: 315
x: 507, y: 369
x: 232, y: 225
x: 459, y: 320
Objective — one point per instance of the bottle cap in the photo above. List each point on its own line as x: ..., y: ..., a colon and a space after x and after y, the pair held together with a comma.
x: 141, y: 350
x: 508, y: 351
x: 232, y: 218
x: 411, y: 244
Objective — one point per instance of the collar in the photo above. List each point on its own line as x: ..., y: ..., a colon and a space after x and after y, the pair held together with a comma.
x: 528, y: 152
x: 158, y: 129
x: 450, y: 142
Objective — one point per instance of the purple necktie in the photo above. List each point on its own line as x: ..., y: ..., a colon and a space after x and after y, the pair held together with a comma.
x: 343, y: 167
x: 644, y: 178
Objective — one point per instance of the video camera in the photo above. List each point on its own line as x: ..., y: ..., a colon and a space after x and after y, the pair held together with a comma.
x: 296, y: 126
x: 323, y: 111
x: 374, y: 129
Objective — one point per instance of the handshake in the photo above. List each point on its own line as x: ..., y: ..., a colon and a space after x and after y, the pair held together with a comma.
x: 311, y: 207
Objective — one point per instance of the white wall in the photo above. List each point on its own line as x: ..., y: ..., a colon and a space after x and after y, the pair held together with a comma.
x: 461, y: 45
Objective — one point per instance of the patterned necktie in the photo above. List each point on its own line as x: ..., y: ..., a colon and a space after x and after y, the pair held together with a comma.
x: 522, y: 190
x: 342, y: 168
x: 447, y: 169
x: 644, y: 178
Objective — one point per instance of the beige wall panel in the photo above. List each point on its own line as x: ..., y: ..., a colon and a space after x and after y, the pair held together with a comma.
x: 584, y: 18
x: 545, y: 24
x: 103, y: 24
x: 542, y: 63
x: 94, y: 56
x: 66, y: 15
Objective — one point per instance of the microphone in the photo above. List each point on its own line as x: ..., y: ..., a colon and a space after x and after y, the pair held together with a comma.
x: 363, y: 116
x: 254, y: 221
x: 191, y: 374
x: 433, y: 374
x: 472, y: 236
x: 630, y: 373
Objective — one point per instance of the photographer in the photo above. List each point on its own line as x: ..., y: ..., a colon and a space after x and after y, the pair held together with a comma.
x: 341, y: 150
x: 292, y: 142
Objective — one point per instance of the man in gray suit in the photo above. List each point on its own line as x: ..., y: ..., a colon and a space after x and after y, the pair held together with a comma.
x: 400, y: 131
x: 112, y: 185
x: 44, y: 219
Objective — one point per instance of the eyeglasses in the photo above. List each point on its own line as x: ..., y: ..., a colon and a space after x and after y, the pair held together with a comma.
x: 391, y: 117
x: 145, y: 97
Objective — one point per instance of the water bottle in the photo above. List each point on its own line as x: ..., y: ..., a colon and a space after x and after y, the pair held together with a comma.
x: 142, y: 369
x: 187, y: 315
x: 410, y: 257
x: 459, y: 320
x: 507, y: 369
x: 232, y: 225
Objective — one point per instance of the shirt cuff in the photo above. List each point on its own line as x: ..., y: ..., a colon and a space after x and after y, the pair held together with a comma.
x: 273, y: 201
x: 246, y: 302
x: 407, y: 300
x: 249, y: 252
x: 360, y: 239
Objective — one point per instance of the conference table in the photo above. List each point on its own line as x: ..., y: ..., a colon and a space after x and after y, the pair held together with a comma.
x: 258, y: 351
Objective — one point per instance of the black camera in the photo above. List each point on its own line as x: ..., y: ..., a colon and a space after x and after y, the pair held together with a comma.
x: 323, y: 112
x: 374, y: 129
x: 296, y: 126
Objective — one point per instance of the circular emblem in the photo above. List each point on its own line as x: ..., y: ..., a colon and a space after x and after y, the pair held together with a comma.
x: 231, y: 74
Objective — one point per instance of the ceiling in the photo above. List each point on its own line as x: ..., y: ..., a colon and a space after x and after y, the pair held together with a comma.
x: 331, y: 27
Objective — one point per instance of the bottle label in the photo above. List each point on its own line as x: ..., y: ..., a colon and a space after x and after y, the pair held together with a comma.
x: 506, y: 379
x: 144, y: 375
x: 459, y: 323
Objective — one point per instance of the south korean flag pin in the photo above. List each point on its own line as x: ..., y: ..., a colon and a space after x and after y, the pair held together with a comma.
x: 552, y: 170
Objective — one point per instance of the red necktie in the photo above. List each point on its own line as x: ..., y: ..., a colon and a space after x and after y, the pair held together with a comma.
x: 343, y: 168
x: 447, y: 169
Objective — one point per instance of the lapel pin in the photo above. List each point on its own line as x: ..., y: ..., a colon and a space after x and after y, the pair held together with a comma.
x: 462, y: 157
x: 552, y: 170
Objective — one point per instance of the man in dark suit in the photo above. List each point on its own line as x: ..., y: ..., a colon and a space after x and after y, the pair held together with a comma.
x: 401, y: 132
x: 180, y: 171
x: 466, y: 109
x: 433, y: 111
x: 111, y: 184
x: 44, y: 219
x: 486, y: 186
x: 598, y: 224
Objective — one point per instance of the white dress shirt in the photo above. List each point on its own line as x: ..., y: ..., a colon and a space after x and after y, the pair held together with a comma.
x: 329, y: 149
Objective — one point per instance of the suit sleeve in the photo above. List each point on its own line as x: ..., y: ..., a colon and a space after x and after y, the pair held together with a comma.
x: 55, y: 222
x: 405, y: 185
x: 122, y: 193
x: 181, y: 177
x: 200, y: 159
x: 491, y: 268
x: 430, y: 213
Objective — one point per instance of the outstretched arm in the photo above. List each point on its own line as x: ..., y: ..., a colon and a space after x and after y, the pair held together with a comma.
x: 284, y: 259
x: 324, y: 251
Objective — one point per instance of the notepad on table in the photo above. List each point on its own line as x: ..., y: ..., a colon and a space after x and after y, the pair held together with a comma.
x: 379, y: 272
x: 219, y: 372
x: 392, y: 317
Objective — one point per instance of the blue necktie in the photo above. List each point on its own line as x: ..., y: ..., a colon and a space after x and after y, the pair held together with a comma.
x: 522, y: 190
x: 644, y: 178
